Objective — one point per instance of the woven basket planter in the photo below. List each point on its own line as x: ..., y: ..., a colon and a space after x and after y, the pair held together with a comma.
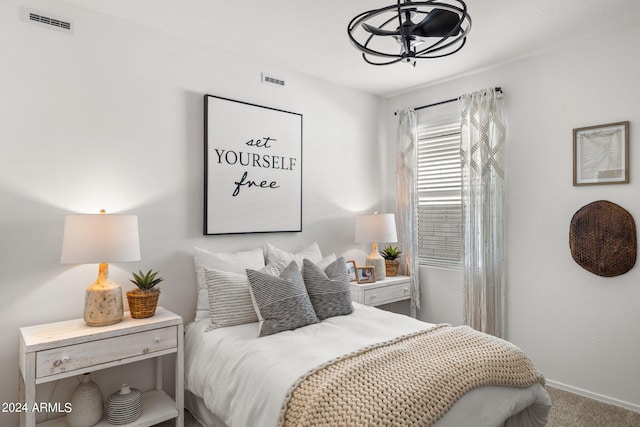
x: 391, y: 267
x: 142, y: 304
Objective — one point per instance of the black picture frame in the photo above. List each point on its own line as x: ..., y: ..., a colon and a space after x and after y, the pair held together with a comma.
x: 252, y: 168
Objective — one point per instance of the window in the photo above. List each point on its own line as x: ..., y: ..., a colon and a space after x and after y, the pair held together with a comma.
x: 439, y: 186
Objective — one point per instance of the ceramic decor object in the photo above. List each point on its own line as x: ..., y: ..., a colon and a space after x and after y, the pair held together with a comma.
x: 124, y: 406
x: 86, y: 404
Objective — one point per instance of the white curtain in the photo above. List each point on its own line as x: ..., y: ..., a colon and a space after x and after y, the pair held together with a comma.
x: 406, y: 205
x: 483, y: 209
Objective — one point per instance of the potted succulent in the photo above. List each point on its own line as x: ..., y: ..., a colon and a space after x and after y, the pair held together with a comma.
x: 391, y: 261
x: 144, y: 299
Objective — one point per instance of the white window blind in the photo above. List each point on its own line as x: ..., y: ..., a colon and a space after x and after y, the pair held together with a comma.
x: 439, y: 189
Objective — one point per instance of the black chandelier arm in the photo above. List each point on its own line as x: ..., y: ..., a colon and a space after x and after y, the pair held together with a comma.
x: 460, y: 39
x: 378, y: 53
x: 368, y: 51
x: 358, y: 20
x: 368, y: 61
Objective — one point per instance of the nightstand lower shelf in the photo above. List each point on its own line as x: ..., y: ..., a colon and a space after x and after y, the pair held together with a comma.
x: 157, y: 407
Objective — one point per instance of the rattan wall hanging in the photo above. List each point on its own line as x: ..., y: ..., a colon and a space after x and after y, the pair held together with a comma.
x: 602, y: 238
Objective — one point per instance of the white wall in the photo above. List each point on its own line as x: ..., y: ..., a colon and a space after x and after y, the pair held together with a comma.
x: 580, y: 329
x: 112, y: 117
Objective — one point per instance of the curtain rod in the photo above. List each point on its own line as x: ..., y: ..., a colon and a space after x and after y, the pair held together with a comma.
x: 498, y: 89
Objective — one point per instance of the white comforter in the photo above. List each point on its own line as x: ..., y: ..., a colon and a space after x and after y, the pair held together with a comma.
x: 244, y: 379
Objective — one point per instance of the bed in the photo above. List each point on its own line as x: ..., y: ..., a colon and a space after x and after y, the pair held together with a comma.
x: 235, y: 377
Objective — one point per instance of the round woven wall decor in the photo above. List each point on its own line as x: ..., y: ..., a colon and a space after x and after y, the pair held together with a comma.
x: 602, y: 238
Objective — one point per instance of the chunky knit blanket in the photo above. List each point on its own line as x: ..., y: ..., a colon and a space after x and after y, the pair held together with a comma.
x: 409, y: 381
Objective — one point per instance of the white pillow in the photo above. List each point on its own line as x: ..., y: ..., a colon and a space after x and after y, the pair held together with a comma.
x: 326, y: 261
x: 311, y: 252
x: 237, y: 262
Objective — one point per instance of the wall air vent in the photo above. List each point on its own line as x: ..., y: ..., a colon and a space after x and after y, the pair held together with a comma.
x: 47, y: 20
x: 277, y: 81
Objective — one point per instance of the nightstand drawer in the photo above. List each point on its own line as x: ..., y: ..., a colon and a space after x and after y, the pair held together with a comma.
x: 386, y: 294
x: 78, y: 356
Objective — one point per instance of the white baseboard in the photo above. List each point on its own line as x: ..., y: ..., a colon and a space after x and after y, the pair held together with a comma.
x: 594, y: 396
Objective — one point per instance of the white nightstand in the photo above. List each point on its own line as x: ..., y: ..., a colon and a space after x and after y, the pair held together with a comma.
x: 65, y: 349
x: 385, y: 291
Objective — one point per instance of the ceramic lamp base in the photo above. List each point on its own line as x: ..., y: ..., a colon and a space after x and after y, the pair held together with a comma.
x: 378, y: 263
x: 103, y: 301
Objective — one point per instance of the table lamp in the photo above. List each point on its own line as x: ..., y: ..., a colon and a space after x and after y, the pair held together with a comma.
x: 101, y: 239
x: 374, y: 228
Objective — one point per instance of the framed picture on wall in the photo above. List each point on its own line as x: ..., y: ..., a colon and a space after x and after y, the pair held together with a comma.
x: 252, y: 168
x: 601, y: 154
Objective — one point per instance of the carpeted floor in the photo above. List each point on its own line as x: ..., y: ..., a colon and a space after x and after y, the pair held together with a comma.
x: 569, y: 410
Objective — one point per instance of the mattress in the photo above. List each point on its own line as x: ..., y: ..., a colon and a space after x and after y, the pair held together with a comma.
x: 238, y: 379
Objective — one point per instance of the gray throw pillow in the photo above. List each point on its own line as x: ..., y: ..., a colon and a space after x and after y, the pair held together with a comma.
x: 329, y: 290
x: 229, y: 299
x: 283, y: 301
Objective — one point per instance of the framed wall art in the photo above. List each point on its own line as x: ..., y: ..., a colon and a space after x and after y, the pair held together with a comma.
x: 601, y: 154
x: 252, y: 168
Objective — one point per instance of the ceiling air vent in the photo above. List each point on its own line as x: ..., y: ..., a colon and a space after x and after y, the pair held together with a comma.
x: 46, y: 20
x: 277, y: 81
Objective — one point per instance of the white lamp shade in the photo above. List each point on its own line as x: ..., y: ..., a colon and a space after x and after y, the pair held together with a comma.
x: 372, y: 228
x: 100, y: 238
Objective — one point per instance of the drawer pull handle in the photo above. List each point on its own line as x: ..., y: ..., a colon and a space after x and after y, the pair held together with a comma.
x: 145, y: 351
x: 406, y: 289
x: 64, y: 359
x: 156, y: 340
x: 373, y: 296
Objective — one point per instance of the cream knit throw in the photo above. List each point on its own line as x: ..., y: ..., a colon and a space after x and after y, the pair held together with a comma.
x: 409, y: 381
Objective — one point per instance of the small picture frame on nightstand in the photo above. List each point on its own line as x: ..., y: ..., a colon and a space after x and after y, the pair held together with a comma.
x: 351, y: 269
x: 366, y: 274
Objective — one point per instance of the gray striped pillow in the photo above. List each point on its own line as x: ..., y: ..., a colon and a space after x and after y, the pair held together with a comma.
x: 329, y: 290
x: 229, y: 299
x: 283, y: 301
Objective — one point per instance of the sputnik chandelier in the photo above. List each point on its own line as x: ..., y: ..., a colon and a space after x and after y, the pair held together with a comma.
x: 410, y: 30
